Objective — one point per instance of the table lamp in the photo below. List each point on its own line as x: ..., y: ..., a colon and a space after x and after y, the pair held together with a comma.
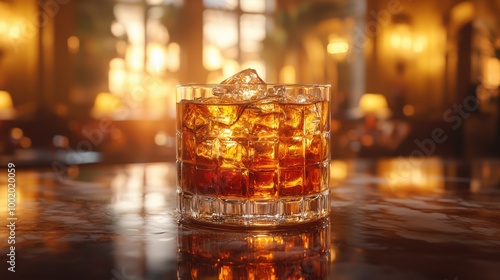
x: 374, y: 104
x: 7, y: 110
x: 106, y: 105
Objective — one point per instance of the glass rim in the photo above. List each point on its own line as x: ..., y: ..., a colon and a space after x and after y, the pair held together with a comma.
x: 211, y: 85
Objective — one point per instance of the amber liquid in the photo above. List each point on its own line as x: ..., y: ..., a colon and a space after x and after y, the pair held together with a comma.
x: 264, y: 161
x: 261, y: 150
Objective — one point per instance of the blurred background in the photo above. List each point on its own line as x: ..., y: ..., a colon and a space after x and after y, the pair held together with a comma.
x: 94, y: 81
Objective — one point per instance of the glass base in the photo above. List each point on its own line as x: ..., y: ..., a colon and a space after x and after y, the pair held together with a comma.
x: 248, y: 212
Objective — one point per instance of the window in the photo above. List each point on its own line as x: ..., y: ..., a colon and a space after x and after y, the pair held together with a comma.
x: 143, y: 73
x: 233, y: 34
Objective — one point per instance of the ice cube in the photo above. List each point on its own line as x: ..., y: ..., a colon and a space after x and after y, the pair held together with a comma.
x: 245, y: 77
x: 301, y: 98
x: 245, y: 85
x: 276, y: 92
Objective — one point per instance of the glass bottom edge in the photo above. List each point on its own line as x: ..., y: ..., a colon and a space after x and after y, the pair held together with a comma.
x: 253, y: 212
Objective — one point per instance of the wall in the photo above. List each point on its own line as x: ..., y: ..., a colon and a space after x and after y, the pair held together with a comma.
x: 18, y: 67
x: 422, y: 78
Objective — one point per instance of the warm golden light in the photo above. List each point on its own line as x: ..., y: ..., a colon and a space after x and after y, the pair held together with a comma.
x: 337, y: 46
x: 338, y: 171
x: 491, y: 76
x: 135, y: 85
x: 171, y: 97
x: 225, y: 272
x: 145, y: 58
x: 405, y: 176
x: 11, y: 26
x: 408, y: 110
x: 403, y: 42
x: 106, y: 105
x: 230, y: 67
x: 157, y: 58
x: 157, y: 103
x: 117, y: 29
x: 262, y: 241
x: 73, y: 44
x: 118, y: 81
x: 419, y: 44
x: 25, y: 143
x: 401, y: 37
x: 288, y: 75
x: 174, y: 57
x: 135, y: 57
x: 220, y: 29
x: 255, y: 64
x: 117, y: 76
x: 161, y: 138
x: 4, y: 27
x: 212, y: 58
x: 16, y: 30
x: 463, y: 11
x: 16, y: 133
x: 374, y: 103
x: 5, y: 100
x: 253, y: 6
x: 6, y: 105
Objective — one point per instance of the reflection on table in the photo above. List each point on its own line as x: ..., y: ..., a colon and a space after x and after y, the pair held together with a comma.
x: 391, y: 219
x: 290, y: 253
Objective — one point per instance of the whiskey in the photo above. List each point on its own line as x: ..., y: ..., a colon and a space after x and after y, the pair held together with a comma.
x: 262, y: 161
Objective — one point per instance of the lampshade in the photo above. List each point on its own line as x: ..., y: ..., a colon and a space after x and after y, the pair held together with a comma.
x: 491, y: 74
x: 106, y: 105
x: 375, y: 104
x: 6, y: 105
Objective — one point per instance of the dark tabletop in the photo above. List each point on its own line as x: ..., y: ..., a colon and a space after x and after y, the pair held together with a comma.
x: 391, y: 219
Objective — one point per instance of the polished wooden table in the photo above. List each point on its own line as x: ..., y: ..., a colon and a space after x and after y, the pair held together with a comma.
x: 391, y: 219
